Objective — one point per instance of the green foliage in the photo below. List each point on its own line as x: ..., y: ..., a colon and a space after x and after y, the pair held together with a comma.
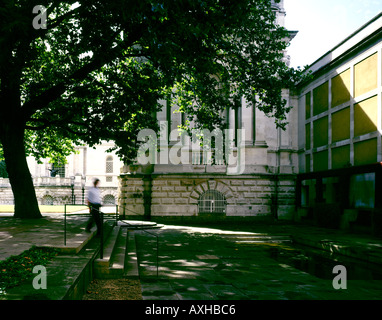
x: 99, y: 69
x: 3, y: 170
x: 17, y: 269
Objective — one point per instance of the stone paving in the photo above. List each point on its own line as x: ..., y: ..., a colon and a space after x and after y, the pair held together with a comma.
x: 200, y: 263
x: 68, y: 274
x: 18, y: 235
x: 211, y: 264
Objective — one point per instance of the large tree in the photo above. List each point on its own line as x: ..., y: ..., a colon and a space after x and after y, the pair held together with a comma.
x: 98, y: 68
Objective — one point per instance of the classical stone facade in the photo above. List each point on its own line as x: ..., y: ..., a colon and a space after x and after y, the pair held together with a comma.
x: 69, y: 182
x: 260, y: 184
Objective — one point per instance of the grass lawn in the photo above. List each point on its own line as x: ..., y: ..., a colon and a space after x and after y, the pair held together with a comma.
x: 47, y: 209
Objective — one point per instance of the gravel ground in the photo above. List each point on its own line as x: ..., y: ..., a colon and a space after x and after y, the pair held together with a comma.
x: 113, y: 289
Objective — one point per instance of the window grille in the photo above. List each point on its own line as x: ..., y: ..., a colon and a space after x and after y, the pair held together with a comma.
x: 47, y: 200
x: 109, y: 164
x: 58, y: 170
x: 109, y: 179
x: 212, y: 202
x: 109, y: 199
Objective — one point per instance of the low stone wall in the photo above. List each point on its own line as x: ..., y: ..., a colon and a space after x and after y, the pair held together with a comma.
x: 178, y: 195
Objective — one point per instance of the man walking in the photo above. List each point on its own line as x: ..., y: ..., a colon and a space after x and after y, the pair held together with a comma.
x: 94, y: 203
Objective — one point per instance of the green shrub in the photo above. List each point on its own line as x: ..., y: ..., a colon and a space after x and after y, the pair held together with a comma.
x: 17, y: 269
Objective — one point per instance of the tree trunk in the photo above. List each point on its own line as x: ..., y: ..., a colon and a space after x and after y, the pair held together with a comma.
x: 12, y: 140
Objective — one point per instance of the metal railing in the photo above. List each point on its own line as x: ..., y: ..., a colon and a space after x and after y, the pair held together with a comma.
x: 126, y: 209
x: 150, y: 233
x: 102, y: 216
x: 116, y: 217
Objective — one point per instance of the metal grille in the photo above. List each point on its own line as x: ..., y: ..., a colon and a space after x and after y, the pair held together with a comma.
x: 57, y: 170
x: 108, y: 199
x: 212, y: 201
x: 47, y: 200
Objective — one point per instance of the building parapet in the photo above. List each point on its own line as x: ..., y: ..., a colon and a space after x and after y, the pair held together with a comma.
x: 42, y: 181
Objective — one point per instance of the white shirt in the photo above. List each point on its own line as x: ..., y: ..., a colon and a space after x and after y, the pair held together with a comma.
x: 94, y: 195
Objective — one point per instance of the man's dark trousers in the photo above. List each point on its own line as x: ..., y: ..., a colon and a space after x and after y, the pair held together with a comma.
x: 95, y: 216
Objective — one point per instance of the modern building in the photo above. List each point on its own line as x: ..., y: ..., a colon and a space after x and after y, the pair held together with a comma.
x: 258, y: 184
x: 339, y: 135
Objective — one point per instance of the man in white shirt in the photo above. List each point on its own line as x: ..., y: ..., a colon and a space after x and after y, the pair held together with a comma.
x: 94, y: 203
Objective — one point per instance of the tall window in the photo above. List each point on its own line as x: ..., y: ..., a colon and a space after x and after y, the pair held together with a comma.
x: 57, y: 169
x: 109, y: 164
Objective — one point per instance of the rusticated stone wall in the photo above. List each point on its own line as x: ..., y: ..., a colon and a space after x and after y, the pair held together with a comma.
x: 263, y: 195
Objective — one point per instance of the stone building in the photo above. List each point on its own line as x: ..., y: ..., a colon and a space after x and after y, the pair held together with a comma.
x: 259, y: 184
x: 340, y: 125
x: 63, y: 184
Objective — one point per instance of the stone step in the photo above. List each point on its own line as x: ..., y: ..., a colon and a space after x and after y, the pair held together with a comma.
x: 248, y: 239
x: 248, y: 242
x: 131, y: 262
x: 120, y: 257
x: 101, y: 266
x: 138, y: 225
x: 117, y: 264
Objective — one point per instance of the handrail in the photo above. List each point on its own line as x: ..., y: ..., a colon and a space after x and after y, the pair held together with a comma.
x: 124, y: 216
x: 125, y: 208
x: 155, y: 235
x: 101, y: 229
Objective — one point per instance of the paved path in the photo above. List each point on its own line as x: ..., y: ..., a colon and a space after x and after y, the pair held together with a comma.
x: 212, y: 264
x: 18, y: 235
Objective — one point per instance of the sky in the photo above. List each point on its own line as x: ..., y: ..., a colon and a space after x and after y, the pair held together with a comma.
x: 322, y: 24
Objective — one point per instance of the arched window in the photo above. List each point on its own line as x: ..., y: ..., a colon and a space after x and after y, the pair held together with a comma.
x: 212, y: 202
x: 109, y: 199
x: 47, y: 200
x: 109, y: 164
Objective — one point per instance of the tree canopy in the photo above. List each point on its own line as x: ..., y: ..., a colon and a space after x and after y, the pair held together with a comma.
x: 100, y: 67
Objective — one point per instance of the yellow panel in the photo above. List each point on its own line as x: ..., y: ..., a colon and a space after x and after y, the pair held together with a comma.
x: 365, y: 152
x: 366, y: 75
x: 341, y: 88
x: 320, y: 132
x: 341, y: 125
x: 320, y: 161
x: 320, y: 98
x: 365, y: 116
x: 307, y: 163
x: 307, y: 105
x: 340, y: 157
x: 307, y: 136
